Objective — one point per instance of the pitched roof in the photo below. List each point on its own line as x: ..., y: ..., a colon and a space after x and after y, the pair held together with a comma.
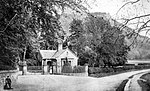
x: 58, y: 53
x: 46, y: 54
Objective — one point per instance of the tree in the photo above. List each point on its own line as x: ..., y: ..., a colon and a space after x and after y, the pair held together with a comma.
x: 31, y: 23
x: 76, y: 30
x: 108, y: 42
x: 77, y: 41
x: 137, y: 16
x: 99, y: 42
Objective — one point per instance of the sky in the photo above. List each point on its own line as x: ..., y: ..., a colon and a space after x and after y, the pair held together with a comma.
x: 112, y: 6
x: 109, y: 6
x: 129, y: 11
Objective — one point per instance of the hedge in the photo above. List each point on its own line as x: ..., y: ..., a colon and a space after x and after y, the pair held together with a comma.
x: 96, y: 70
x: 6, y: 67
x: 67, y: 69
x: 34, y: 67
x: 79, y: 69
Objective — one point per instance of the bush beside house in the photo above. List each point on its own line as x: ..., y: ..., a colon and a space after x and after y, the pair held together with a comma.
x: 67, y: 68
x: 79, y: 69
x: 74, y: 71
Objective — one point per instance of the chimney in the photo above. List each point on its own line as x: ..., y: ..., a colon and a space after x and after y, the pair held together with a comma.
x: 60, y: 44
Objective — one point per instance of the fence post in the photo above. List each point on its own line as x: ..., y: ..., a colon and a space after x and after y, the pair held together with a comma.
x: 24, y: 70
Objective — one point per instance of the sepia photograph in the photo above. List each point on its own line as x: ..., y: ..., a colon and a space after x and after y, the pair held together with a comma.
x: 74, y: 45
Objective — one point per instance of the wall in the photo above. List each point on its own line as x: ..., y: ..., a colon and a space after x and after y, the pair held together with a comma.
x: 76, y: 74
x: 34, y: 69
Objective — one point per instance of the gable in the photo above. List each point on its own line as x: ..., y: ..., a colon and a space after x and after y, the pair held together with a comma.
x: 67, y: 53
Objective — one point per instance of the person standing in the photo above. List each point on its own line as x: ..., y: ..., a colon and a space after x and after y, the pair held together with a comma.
x: 8, y: 82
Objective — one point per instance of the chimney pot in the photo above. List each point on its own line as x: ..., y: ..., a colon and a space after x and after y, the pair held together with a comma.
x: 60, y: 44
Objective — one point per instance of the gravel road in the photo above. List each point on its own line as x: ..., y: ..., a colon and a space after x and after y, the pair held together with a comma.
x: 70, y: 83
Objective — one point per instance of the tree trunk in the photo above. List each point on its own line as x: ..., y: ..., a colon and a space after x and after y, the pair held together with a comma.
x: 24, y: 54
x: 24, y: 67
x: 93, y: 64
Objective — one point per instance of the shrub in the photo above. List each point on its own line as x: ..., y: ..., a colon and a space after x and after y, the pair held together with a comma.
x: 6, y: 67
x: 107, y: 70
x: 94, y: 70
x: 100, y: 72
x: 79, y: 69
x: 67, y: 68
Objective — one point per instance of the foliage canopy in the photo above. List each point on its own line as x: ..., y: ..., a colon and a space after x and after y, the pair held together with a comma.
x: 98, y: 42
x: 29, y: 25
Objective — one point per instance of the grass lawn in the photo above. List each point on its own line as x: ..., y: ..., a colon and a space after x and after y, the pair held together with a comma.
x: 110, y: 73
x: 145, y: 84
x: 101, y: 72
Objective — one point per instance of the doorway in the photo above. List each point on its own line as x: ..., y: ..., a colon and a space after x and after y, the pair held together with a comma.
x: 50, y: 67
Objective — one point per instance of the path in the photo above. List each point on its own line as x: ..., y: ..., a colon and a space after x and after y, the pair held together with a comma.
x: 70, y: 83
x: 132, y: 84
x: 13, y: 75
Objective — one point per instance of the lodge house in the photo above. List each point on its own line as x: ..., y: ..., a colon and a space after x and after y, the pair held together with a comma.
x: 55, y: 59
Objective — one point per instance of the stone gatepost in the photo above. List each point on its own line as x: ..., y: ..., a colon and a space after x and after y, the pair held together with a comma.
x: 86, y: 69
x: 17, y: 67
x: 45, y: 67
x: 24, y: 69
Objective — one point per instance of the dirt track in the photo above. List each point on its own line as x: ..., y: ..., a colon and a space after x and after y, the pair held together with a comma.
x: 70, y: 83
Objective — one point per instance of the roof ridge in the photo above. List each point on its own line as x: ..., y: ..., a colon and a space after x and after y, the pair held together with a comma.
x: 60, y: 53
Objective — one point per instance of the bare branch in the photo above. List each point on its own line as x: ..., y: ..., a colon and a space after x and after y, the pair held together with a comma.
x: 9, y: 23
x: 139, y: 30
x: 145, y: 35
x: 138, y: 17
x: 131, y: 2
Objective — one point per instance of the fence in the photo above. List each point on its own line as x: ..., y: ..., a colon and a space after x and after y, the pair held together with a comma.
x: 66, y: 70
x: 34, y: 69
x: 76, y: 74
x: 74, y: 71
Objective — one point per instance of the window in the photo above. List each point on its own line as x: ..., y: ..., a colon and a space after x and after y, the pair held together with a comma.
x: 69, y: 62
x: 64, y: 62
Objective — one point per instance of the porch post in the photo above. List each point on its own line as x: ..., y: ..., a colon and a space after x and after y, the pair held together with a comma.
x: 52, y: 67
x: 58, y: 65
x: 45, y: 67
